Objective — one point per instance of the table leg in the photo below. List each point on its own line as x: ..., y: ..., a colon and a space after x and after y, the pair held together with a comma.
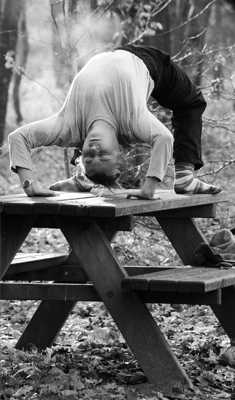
x: 185, y: 238
x: 13, y: 231
x: 50, y: 316
x: 134, y: 320
x: 225, y: 312
x: 45, y: 324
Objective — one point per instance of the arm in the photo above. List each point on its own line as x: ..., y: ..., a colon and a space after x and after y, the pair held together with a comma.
x: 45, y: 132
x: 150, y: 130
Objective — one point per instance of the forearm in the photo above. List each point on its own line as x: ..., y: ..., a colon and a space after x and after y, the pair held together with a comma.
x: 161, y: 155
x: 45, y: 132
x: 25, y: 175
x: 152, y: 131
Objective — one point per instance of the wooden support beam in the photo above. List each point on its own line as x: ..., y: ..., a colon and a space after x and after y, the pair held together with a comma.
x: 86, y: 292
x: 13, y: 231
x: 45, y: 324
x: 203, y: 211
x: 63, y: 272
x: 130, y: 314
x: 184, y: 236
x: 53, y: 317
x: 123, y: 223
x: 28, y: 263
x: 225, y: 312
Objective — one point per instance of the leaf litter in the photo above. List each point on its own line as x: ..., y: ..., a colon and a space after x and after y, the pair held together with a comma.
x: 90, y: 359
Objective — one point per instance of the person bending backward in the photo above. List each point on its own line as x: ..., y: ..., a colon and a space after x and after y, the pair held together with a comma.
x: 107, y: 105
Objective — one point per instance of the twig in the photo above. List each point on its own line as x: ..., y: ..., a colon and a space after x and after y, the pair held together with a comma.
x: 219, y: 169
x: 188, y: 20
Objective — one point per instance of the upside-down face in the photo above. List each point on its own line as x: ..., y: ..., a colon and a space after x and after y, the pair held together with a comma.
x: 101, y: 155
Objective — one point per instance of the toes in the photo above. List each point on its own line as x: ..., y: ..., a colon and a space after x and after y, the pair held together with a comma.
x: 213, y: 190
x: 64, y: 186
x: 216, y: 189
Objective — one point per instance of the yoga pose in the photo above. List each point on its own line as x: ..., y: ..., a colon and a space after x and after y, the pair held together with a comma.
x: 107, y: 106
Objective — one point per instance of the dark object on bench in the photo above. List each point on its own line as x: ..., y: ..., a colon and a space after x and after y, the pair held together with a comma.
x: 205, y: 255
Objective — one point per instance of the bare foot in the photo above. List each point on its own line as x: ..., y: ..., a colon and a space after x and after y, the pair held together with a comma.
x: 67, y: 185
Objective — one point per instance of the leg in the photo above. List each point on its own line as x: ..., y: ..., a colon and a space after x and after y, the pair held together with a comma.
x: 187, y: 183
x: 187, y: 124
x: 188, y: 105
x: 131, y: 315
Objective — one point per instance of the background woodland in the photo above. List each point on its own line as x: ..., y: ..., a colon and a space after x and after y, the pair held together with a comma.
x: 42, y: 46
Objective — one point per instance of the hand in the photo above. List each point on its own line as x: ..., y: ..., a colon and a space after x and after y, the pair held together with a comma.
x: 147, y: 191
x: 35, y: 189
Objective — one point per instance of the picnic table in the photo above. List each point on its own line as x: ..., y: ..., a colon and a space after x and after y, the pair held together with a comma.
x: 91, y: 271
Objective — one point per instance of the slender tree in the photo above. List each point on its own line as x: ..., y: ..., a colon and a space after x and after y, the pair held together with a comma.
x: 22, y: 50
x: 9, y: 15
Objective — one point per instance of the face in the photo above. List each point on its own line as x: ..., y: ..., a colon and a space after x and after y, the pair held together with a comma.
x: 100, y: 156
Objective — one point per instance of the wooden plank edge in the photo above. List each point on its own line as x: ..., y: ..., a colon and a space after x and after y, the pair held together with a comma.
x: 87, y: 292
x: 64, y: 271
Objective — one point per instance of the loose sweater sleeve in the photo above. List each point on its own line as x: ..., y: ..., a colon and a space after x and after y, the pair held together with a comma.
x: 44, y: 132
x: 152, y: 131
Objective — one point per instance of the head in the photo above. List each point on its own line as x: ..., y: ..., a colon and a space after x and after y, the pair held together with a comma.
x: 101, y: 154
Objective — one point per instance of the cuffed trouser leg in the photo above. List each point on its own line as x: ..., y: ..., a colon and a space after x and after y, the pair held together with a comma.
x: 187, y: 124
x: 161, y: 154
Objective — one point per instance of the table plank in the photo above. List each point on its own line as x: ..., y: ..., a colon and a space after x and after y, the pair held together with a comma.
x: 192, y: 279
x: 67, y: 292
x: 89, y: 205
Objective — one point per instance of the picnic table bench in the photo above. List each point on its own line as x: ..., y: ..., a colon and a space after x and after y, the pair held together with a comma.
x: 91, y: 272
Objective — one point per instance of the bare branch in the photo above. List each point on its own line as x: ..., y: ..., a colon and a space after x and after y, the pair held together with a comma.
x: 188, y: 20
x: 215, y: 171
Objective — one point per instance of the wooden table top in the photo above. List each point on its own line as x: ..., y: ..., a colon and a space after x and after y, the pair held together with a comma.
x: 115, y: 205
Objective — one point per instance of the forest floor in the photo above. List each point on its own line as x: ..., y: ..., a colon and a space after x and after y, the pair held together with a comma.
x: 90, y: 359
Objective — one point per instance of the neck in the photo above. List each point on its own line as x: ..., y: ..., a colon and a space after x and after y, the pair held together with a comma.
x: 103, y: 131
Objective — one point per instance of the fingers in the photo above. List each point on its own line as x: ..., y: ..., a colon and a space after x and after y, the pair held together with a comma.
x: 42, y: 193
x: 136, y: 193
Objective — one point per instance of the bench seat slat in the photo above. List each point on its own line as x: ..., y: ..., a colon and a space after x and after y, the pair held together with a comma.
x: 87, y: 292
x: 182, y: 280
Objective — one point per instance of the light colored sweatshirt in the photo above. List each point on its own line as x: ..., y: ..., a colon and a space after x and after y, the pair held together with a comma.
x: 113, y: 87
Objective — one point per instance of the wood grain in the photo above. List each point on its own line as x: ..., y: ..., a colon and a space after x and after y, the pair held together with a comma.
x: 87, y: 292
x: 88, y: 205
x: 181, y: 280
x: 130, y: 314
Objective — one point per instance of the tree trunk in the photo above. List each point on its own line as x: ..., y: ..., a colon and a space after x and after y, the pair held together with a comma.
x: 22, y: 50
x: 9, y: 14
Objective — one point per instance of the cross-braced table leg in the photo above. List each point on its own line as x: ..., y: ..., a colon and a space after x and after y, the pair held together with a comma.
x: 131, y: 315
x: 50, y: 316
x: 226, y: 314
x: 186, y: 238
x: 13, y: 231
x: 45, y: 324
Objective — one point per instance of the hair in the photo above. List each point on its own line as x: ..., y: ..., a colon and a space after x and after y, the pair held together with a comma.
x: 105, y: 180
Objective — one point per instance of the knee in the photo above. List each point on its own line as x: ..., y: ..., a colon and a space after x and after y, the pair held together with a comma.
x: 201, y: 103
x: 167, y: 137
x: 167, y: 140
